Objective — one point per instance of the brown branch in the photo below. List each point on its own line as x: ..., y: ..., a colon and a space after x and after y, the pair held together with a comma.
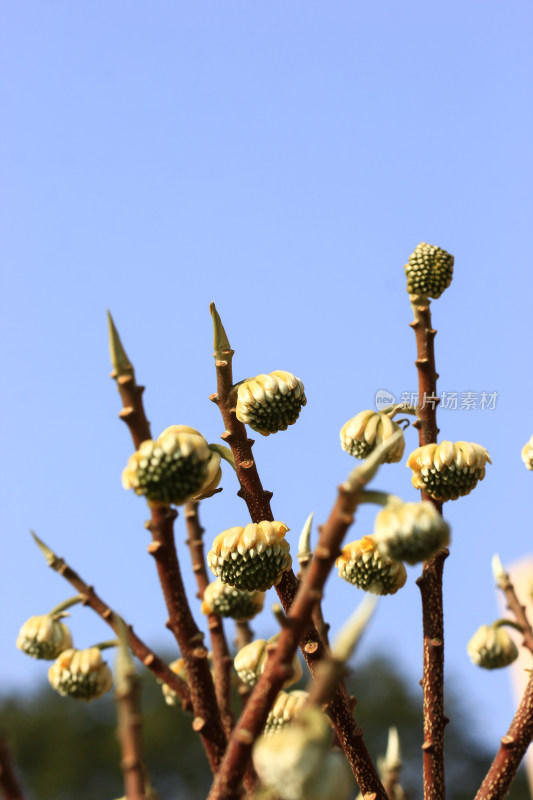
x: 279, y: 664
x: 222, y: 661
x: 517, y: 609
x: 127, y: 695
x: 430, y: 582
x: 139, y: 649
x: 9, y: 785
x: 257, y: 500
x: 512, y: 750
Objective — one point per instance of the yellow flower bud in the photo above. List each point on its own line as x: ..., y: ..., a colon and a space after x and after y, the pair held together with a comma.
x: 410, y: 532
x: 171, y: 697
x: 227, y: 601
x: 251, y: 558
x: 429, y: 270
x: 44, y: 637
x: 251, y: 660
x: 270, y: 403
x: 363, y: 565
x: 527, y: 454
x: 172, y: 470
x: 287, y: 706
x: 491, y: 647
x: 362, y: 434
x: 448, y: 470
x: 81, y: 674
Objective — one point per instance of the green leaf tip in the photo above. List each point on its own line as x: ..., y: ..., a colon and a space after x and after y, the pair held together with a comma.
x: 124, y: 666
x: 220, y: 340
x: 45, y: 550
x: 119, y: 360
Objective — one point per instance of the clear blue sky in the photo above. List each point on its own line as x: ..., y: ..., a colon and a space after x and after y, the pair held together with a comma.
x: 282, y: 159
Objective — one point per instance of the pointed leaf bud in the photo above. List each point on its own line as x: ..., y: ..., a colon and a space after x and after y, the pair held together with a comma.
x: 491, y: 647
x: 81, y: 674
x: 44, y: 637
x: 363, y: 565
x: 287, y: 706
x: 227, y: 601
x: 251, y: 659
x: 270, y: 403
x: 448, y: 470
x: 251, y: 558
x: 527, y: 454
x: 119, y: 360
x: 429, y: 270
x: 410, y: 532
x: 172, y: 470
x: 368, y: 429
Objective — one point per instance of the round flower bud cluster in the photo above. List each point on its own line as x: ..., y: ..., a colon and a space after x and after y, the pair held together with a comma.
x: 447, y: 471
x: 227, y: 601
x: 44, y: 637
x: 81, y: 674
x: 251, y: 660
x: 527, y: 454
x: 410, y: 532
x: 173, y: 469
x: 288, y: 706
x: 270, y: 403
x: 362, y: 564
x: 429, y: 270
x: 298, y: 763
x: 491, y: 647
x: 171, y: 697
x: 253, y: 558
x: 368, y: 429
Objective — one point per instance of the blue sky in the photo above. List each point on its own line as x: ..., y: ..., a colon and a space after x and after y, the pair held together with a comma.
x: 283, y: 160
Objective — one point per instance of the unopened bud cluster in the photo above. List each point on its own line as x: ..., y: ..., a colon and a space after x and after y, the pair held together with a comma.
x: 429, y: 270
x: 251, y: 660
x: 362, y: 564
x: 527, y: 454
x: 228, y: 601
x: 171, y: 697
x: 81, y: 674
x: 287, y: 707
x: 175, y: 468
x: 368, y: 429
x: 448, y: 470
x: 44, y: 637
x: 270, y: 403
x: 251, y: 558
x: 491, y: 647
x: 410, y: 532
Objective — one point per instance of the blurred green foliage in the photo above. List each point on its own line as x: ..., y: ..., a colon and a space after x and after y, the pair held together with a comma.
x: 65, y: 749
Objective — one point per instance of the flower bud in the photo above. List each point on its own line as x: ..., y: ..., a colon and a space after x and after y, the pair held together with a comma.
x: 251, y: 660
x: 429, y: 270
x: 363, y: 565
x: 410, y: 532
x: 491, y: 647
x: 287, y: 706
x: 171, y: 470
x: 44, y: 637
x: 227, y: 601
x: 171, y: 697
x: 362, y: 434
x: 270, y: 403
x: 251, y: 558
x: 298, y: 763
x: 527, y: 454
x: 447, y: 471
x: 81, y: 674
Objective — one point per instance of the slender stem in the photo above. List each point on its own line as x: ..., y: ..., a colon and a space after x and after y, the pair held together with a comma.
x: 127, y: 695
x: 9, y: 785
x: 72, y: 601
x: 430, y: 582
x: 257, y: 499
x: 139, y: 649
x: 279, y: 664
x: 515, y: 607
x: 222, y: 660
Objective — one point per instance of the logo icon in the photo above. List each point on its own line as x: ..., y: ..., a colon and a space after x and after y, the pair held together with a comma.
x: 384, y: 398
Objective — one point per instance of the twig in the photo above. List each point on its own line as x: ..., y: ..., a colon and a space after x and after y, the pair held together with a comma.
x: 140, y: 650
x: 503, y: 581
x: 222, y: 660
x: 430, y: 582
x: 512, y: 749
x: 127, y: 695
x: 207, y: 721
x: 279, y: 663
x: 9, y: 785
